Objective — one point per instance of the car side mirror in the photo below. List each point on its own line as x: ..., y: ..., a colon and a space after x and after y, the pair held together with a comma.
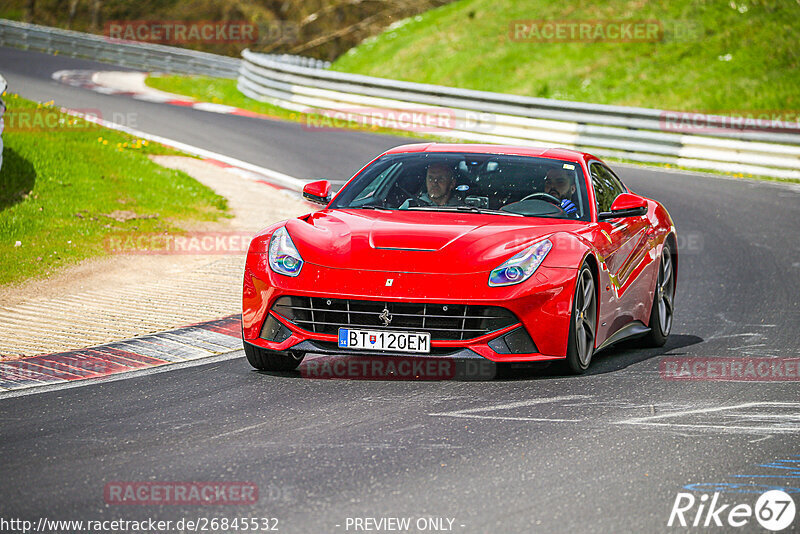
x: 318, y: 192
x: 625, y: 205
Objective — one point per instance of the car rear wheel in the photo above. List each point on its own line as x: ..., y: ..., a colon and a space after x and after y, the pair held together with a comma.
x: 661, y: 314
x: 270, y: 360
x: 583, y: 323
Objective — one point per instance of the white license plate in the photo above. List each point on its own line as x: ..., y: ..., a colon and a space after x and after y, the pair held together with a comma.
x: 384, y: 340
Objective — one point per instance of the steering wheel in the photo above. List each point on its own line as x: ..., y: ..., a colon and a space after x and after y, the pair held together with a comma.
x: 404, y: 190
x: 544, y: 196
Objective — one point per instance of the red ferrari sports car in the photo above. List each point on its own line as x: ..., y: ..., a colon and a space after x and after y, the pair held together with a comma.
x: 506, y: 253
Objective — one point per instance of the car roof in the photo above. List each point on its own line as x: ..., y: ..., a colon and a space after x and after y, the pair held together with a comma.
x: 542, y: 152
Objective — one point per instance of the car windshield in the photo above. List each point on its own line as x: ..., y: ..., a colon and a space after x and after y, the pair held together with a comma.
x: 464, y: 182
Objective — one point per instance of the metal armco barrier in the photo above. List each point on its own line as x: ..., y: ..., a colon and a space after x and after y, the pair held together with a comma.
x: 637, y: 134
x: 136, y: 55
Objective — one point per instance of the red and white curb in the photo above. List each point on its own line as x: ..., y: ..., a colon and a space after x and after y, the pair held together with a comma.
x: 260, y: 178
x: 172, y: 348
x: 195, y: 342
x: 88, y: 79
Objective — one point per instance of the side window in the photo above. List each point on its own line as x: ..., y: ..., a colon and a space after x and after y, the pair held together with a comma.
x: 619, y: 188
x: 602, y: 193
x: 377, y: 182
x: 607, y: 186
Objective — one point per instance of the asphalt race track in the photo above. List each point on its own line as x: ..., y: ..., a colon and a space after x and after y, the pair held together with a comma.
x: 529, y: 451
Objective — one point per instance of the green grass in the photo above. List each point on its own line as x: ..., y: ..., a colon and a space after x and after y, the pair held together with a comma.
x: 57, y: 185
x: 740, y: 58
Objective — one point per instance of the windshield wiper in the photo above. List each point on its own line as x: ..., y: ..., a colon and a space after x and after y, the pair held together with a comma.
x: 367, y: 207
x: 471, y: 209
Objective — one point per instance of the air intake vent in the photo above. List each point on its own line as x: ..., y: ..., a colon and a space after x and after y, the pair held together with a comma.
x: 445, y: 322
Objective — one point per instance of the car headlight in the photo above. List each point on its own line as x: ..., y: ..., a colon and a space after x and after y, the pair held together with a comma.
x: 283, y: 256
x: 521, y: 266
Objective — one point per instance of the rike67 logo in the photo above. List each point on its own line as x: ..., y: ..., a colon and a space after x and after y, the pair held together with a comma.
x: 774, y: 510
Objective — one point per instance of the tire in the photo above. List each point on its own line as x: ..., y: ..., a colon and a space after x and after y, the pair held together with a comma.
x: 270, y: 360
x: 583, y: 322
x: 663, y: 300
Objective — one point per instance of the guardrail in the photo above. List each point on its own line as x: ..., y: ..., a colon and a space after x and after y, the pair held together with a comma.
x: 136, y: 55
x: 636, y: 134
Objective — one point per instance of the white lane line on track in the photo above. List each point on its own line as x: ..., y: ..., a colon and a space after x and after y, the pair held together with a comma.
x: 504, y: 418
x: 783, y: 422
x: 471, y: 412
x: 283, y: 179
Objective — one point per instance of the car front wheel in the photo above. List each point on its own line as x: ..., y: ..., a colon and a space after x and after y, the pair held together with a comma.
x: 583, y: 323
x: 662, y: 311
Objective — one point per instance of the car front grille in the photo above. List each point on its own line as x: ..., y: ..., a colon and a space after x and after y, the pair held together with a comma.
x: 445, y: 322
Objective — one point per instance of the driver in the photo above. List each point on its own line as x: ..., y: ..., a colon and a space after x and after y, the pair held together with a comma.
x: 561, y: 184
x: 440, y: 181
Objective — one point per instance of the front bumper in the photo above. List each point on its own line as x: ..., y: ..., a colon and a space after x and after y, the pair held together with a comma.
x: 542, y: 304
